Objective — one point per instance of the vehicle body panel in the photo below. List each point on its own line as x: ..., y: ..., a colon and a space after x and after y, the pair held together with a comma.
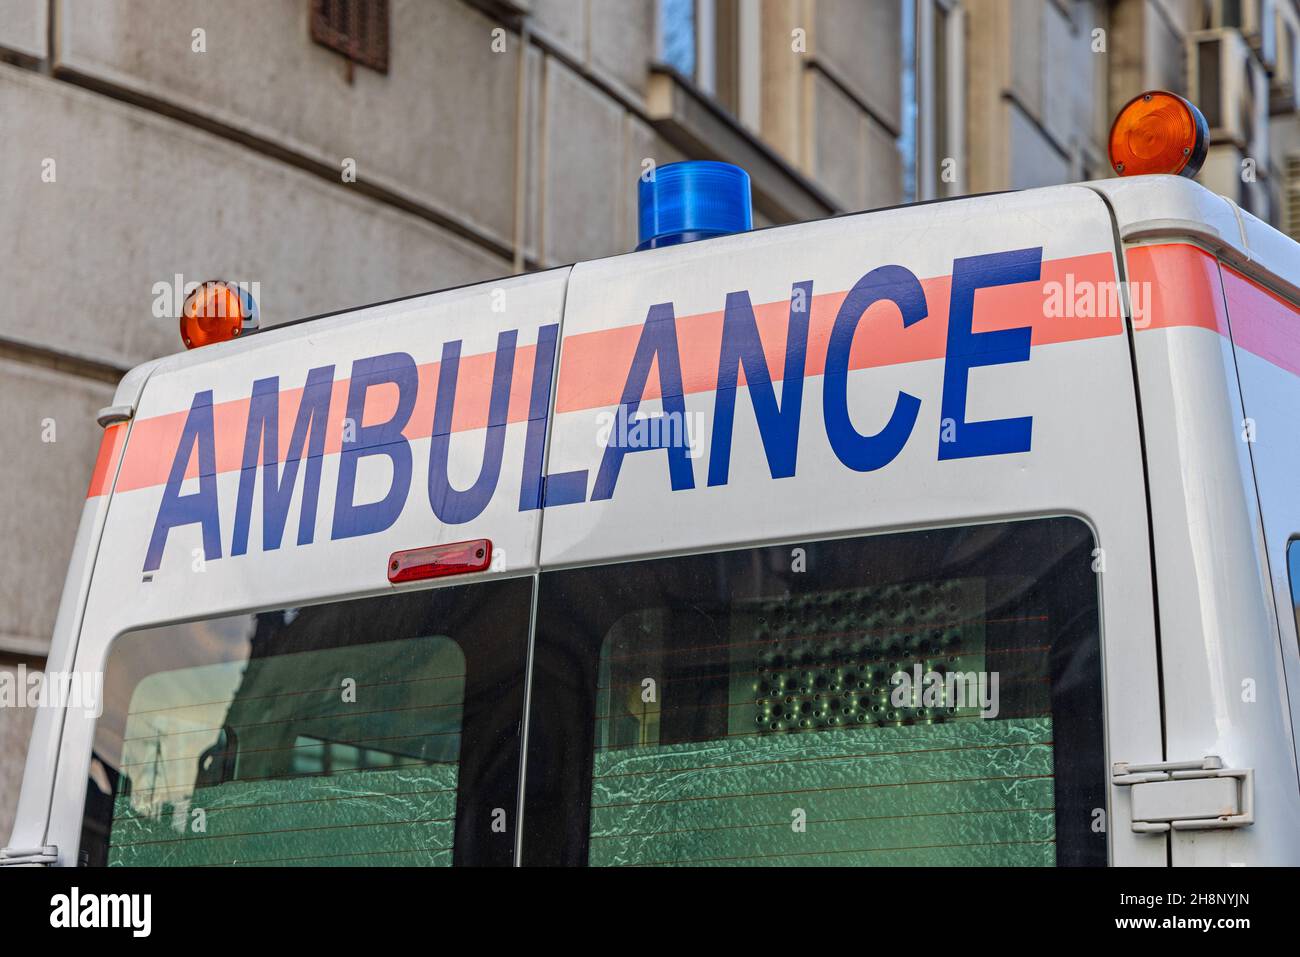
x: 940, y: 319
x: 196, y: 578
x: 1210, y: 556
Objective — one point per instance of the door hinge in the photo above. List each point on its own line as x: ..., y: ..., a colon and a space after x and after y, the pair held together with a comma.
x: 1187, y: 795
x: 29, y: 856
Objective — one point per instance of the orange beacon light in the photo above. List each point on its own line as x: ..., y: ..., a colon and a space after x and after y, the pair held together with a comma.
x: 1158, y: 132
x: 217, y: 311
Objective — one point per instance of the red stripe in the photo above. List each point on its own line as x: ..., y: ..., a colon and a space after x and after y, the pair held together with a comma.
x: 1263, y: 323
x: 594, y: 365
x: 1181, y: 286
x: 1188, y: 288
x: 110, y: 453
x: 154, y: 440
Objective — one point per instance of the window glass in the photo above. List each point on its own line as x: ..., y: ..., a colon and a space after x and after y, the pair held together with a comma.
x: 907, y: 146
x: 677, y: 35
x: 341, y: 734
x: 1293, y: 573
x: 928, y: 698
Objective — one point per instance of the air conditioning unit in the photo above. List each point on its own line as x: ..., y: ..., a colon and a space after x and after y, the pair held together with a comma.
x: 1291, y: 201
x: 1257, y: 21
x: 1226, y: 84
x: 1285, y: 89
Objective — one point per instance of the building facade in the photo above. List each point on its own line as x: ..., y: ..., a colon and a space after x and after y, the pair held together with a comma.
x: 336, y: 153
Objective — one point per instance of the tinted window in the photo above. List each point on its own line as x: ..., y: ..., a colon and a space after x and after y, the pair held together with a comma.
x: 749, y: 707
x: 382, y: 731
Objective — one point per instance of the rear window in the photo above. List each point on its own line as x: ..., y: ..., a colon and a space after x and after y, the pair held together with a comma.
x: 374, y: 732
x: 930, y: 698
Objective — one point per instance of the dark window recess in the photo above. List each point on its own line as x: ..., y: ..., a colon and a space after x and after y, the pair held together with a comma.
x: 1208, y: 82
x: 356, y: 28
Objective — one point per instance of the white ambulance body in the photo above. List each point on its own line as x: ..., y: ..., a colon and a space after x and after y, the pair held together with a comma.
x: 1048, y: 440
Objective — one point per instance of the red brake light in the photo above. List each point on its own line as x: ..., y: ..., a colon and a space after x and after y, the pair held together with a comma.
x: 438, y: 561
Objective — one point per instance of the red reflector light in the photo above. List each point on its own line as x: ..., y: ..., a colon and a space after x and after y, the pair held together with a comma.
x: 438, y: 561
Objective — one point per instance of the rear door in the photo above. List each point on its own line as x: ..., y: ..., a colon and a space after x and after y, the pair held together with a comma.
x: 263, y: 677
x: 800, y: 477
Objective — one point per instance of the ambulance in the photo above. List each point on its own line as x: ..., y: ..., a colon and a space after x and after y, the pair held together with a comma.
x: 958, y: 533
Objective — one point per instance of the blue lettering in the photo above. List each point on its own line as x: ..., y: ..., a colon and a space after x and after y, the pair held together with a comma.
x: 967, y: 349
x: 453, y: 506
x: 658, y: 343
x: 201, y: 506
x: 384, y: 438
x: 536, y: 489
x: 865, y: 453
x: 277, y: 488
x: 741, y: 346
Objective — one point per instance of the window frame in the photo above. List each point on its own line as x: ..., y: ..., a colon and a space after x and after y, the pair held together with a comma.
x: 939, y: 93
x: 728, y: 48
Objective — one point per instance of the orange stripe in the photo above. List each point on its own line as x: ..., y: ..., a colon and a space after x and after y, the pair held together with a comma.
x: 154, y: 440
x: 594, y: 365
x: 110, y: 453
x: 1188, y: 288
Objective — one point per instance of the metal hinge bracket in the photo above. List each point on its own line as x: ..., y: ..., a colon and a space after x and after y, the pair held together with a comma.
x: 1187, y: 795
x: 29, y: 856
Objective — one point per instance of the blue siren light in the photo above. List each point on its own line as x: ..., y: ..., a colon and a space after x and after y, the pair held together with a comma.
x: 697, y: 199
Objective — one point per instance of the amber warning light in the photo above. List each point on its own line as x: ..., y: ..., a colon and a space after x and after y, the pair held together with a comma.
x: 217, y: 311
x: 438, y: 561
x: 1158, y: 132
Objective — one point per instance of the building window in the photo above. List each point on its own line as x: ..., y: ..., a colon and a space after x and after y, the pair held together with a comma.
x: 677, y: 35
x: 358, y: 29
x: 716, y: 45
x: 1291, y: 223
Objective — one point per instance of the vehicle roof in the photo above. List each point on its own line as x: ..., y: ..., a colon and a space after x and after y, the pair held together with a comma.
x: 1172, y: 207
x: 1144, y: 208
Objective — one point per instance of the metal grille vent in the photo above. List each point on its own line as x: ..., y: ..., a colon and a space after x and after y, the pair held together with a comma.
x: 1291, y: 221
